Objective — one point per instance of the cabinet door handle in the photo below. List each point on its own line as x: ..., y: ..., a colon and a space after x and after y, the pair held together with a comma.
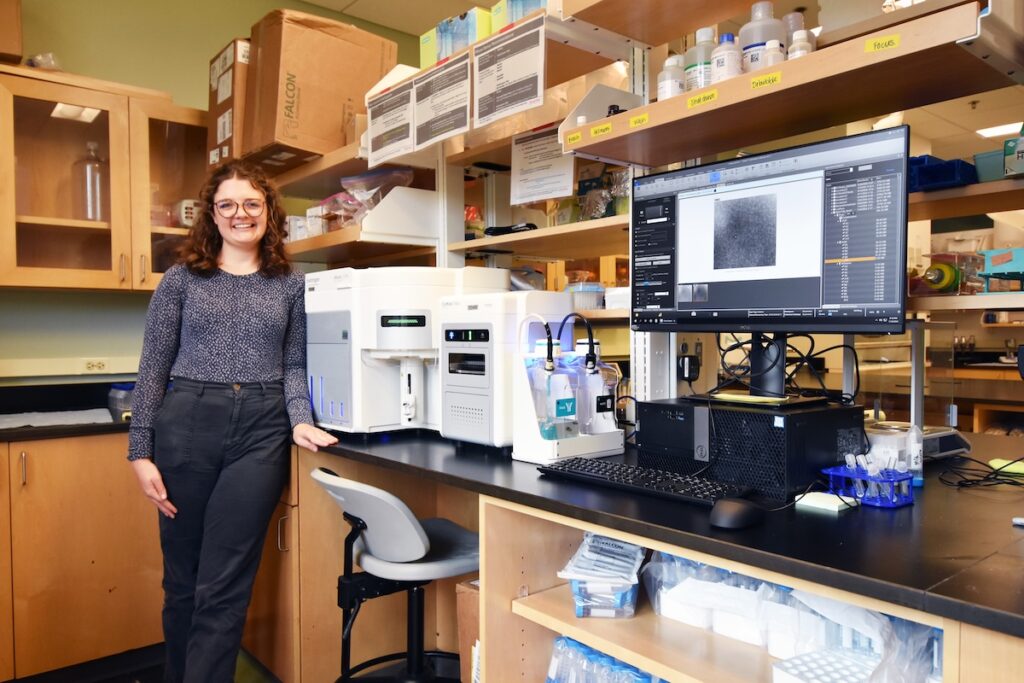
x: 142, y: 267
x: 280, y: 534
x: 24, y: 468
x: 123, y: 268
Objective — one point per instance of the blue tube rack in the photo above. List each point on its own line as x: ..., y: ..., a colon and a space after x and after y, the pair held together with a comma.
x: 887, y: 489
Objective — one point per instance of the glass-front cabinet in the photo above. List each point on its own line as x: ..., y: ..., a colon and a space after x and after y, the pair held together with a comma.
x: 168, y: 160
x: 64, y: 201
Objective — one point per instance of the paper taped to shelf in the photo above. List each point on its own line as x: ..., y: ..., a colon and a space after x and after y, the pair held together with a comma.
x: 390, y: 124
x: 508, y: 72
x: 442, y: 102
x: 539, y: 168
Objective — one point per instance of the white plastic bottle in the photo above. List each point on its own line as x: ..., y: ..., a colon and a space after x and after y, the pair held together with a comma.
x: 794, y: 22
x: 915, y: 451
x: 672, y: 78
x: 772, y: 54
x: 726, y: 59
x: 801, y: 44
x: 697, y: 60
x: 762, y: 27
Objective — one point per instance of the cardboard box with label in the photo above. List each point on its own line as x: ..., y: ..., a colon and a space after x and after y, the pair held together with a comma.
x: 302, y: 70
x: 10, y: 31
x: 228, y: 72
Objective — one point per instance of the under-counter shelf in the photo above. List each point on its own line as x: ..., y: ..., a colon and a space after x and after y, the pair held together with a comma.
x: 662, y: 647
x: 322, y: 178
x: 585, y: 239
x: 903, y: 66
x: 976, y: 302
x: 969, y: 200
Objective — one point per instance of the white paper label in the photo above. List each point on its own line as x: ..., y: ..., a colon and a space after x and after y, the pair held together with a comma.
x: 508, y: 72
x: 214, y: 156
x: 442, y: 102
x: 243, y: 52
x: 221, y: 64
x: 224, y: 87
x: 390, y: 120
x: 539, y: 169
x: 224, y: 126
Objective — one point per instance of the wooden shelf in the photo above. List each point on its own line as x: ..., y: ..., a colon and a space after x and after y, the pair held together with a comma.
x: 607, y: 314
x: 977, y: 302
x: 969, y: 200
x: 163, y: 230
x: 654, y: 22
x: 659, y: 646
x: 62, y: 222
x: 839, y: 84
x: 1004, y: 326
x: 585, y: 239
x: 348, y: 245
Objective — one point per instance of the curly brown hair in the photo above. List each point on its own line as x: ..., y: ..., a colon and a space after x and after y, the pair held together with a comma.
x: 202, y: 246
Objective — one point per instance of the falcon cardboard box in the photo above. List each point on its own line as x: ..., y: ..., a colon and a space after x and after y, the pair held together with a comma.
x: 10, y: 31
x: 301, y: 69
x: 228, y: 71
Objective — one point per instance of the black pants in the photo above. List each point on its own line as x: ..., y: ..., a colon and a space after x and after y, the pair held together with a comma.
x: 222, y: 450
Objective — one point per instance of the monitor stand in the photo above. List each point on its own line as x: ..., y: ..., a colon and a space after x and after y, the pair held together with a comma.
x: 767, y: 379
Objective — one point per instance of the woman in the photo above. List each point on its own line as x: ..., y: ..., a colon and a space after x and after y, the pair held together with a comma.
x: 228, y: 324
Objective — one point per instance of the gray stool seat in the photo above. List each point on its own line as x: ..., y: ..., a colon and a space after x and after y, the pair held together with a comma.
x: 452, y: 551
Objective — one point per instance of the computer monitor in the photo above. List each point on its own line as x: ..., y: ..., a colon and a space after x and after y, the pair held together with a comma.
x: 805, y: 239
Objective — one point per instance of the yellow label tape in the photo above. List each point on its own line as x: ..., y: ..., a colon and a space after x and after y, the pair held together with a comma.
x: 702, y: 98
x: 766, y: 81
x: 573, y: 138
x: 882, y: 43
x: 598, y: 131
x: 637, y: 121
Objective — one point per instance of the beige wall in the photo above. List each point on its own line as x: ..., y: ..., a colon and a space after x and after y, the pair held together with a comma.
x: 161, y: 44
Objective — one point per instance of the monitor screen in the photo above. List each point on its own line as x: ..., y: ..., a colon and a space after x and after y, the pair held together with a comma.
x: 805, y: 239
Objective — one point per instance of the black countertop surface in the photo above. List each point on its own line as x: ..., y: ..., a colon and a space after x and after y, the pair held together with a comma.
x: 953, y: 553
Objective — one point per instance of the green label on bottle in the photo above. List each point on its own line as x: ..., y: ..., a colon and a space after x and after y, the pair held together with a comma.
x: 565, y: 407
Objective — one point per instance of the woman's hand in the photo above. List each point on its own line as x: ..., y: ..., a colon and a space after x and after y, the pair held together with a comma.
x: 311, y: 438
x: 153, y: 486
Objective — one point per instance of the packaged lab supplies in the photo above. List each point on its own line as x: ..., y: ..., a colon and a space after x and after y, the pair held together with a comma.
x: 459, y: 32
x: 1013, y: 157
x: 603, y: 576
x: 228, y: 74
x: 302, y: 69
x: 572, y: 662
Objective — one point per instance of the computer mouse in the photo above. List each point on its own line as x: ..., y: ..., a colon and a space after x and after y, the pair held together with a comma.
x: 735, y: 513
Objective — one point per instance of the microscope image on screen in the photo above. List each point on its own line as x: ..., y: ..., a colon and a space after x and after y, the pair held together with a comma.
x: 745, y: 232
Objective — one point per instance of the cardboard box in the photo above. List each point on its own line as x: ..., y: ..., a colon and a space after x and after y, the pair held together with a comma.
x: 459, y: 32
x: 10, y: 31
x: 302, y: 70
x: 428, y: 48
x: 228, y: 73
x: 467, y: 613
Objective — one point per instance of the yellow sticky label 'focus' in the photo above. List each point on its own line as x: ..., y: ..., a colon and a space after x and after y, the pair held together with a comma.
x: 573, y: 138
x: 637, y: 121
x: 703, y: 98
x: 598, y: 131
x: 766, y: 81
x: 882, y: 43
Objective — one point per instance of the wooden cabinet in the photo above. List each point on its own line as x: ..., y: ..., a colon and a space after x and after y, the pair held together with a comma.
x: 6, y: 594
x: 86, y: 553
x: 272, y: 624
x: 50, y: 234
x: 152, y: 156
x: 168, y: 162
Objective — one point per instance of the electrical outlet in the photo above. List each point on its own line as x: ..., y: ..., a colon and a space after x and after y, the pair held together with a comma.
x: 94, y: 365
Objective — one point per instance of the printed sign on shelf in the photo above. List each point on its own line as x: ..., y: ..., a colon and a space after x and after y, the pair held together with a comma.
x: 442, y: 102
x: 539, y: 168
x: 508, y: 72
x: 390, y: 119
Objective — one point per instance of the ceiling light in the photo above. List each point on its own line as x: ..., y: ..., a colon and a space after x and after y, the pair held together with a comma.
x: 1000, y: 131
x: 73, y: 112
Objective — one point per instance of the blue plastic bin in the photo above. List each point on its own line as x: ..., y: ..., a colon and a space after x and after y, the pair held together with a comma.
x: 931, y: 173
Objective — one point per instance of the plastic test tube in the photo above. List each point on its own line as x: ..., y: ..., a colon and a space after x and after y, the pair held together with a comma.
x: 858, y: 484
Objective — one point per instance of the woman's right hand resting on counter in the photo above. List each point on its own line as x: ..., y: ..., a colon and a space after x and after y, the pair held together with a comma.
x: 153, y: 485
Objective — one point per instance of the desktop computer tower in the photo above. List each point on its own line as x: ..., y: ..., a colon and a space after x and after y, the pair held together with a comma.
x: 775, y: 451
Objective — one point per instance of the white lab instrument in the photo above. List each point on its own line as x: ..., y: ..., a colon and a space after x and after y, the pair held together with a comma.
x: 372, y: 338
x: 478, y: 359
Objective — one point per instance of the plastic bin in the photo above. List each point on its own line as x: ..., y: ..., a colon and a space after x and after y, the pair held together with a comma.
x: 887, y: 489
x: 989, y: 166
x: 932, y: 174
x: 586, y: 296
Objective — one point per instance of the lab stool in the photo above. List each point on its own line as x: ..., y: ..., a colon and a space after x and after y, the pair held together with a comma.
x: 397, y: 553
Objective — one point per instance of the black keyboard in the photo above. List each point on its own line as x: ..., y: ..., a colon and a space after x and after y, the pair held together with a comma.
x: 644, y: 480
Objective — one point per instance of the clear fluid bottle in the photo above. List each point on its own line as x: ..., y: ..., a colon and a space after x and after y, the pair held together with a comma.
x: 697, y: 60
x: 772, y: 54
x: 89, y: 184
x: 802, y: 44
x: 554, y: 394
x: 794, y: 22
x: 726, y: 59
x: 672, y: 78
x: 915, y: 451
x: 595, y: 408
x: 755, y: 34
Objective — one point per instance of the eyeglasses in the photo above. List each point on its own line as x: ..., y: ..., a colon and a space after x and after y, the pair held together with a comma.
x: 228, y: 208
